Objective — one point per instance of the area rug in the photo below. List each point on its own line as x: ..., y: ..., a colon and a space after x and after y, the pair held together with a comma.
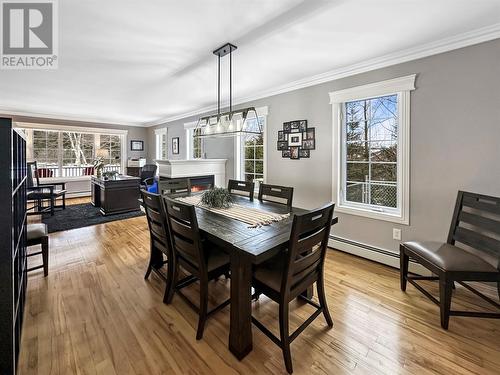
x: 81, y: 215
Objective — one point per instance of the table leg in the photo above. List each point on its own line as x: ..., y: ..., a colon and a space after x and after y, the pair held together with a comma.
x: 240, y: 331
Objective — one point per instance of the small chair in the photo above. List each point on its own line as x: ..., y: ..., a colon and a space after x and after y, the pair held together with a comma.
x: 475, y: 224
x: 37, y: 235
x: 159, y: 242
x: 88, y: 171
x: 38, y: 192
x: 148, y: 173
x: 199, y: 257
x: 276, y: 194
x: 172, y: 186
x: 244, y: 188
x: 287, y: 276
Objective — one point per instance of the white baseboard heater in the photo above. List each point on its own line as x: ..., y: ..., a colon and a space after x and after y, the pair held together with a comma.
x: 373, y: 253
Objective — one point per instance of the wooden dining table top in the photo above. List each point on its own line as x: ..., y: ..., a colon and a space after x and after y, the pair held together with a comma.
x: 260, y: 243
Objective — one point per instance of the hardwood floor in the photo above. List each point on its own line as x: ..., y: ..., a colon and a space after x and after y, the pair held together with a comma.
x: 95, y: 314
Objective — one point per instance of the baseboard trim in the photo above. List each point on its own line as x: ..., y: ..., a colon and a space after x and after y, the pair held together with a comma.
x: 373, y: 253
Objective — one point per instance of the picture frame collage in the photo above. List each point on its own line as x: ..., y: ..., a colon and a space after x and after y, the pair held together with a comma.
x: 296, y: 140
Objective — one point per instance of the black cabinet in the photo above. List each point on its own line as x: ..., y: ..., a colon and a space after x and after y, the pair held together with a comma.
x: 116, y: 195
x: 13, y: 239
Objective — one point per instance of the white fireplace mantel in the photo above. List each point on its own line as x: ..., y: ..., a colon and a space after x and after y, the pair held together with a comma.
x: 192, y: 168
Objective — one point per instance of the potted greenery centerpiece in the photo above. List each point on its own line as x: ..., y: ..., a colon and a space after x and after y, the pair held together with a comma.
x: 217, y: 198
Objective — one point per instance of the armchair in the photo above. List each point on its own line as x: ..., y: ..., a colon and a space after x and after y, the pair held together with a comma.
x: 38, y: 192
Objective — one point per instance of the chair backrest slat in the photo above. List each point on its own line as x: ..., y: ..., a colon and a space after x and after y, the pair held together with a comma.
x: 183, y: 226
x: 476, y: 224
x: 157, y: 220
x: 284, y: 194
x: 307, y: 248
x: 241, y: 188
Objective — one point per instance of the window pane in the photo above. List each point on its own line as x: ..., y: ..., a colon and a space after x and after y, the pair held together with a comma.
x: 249, y: 167
x: 384, y: 130
x: 249, y: 153
x: 259, y: 152
x: 383, y: 107
x: 355, y: 192
x: 357, y: 171
x: 383, y: 195
x: 357, y: 151
x: 384, y: 151
x: 384, y: 172
x: 259, y: 167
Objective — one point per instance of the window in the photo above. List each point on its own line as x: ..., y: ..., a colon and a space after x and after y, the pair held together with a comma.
x: 71, y: 154
x: 371, y: 149
x: 250, y: 154
x: 197, y: 144
x: 161, y: 144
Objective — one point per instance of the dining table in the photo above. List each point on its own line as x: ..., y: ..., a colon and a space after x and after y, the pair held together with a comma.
x: 246, y: 247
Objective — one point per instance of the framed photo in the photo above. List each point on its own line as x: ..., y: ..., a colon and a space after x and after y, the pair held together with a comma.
x: 294, y: 153
x: 281, y: 135
x: 304, y: 153
x: 295, y: 124
x: 136, y: 145
x: 295, y: 139
x: 303, y: 125
x: 308, y: 144
x: 282, y: 145
x: 175, y: 145
x: 285, y: 153
x: 310, y: 133
x: 287, y: 127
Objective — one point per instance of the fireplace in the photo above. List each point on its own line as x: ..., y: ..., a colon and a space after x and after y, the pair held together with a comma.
x: 201, y: 173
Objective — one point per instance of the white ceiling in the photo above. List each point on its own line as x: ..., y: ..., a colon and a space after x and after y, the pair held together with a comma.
x: 144, y: 62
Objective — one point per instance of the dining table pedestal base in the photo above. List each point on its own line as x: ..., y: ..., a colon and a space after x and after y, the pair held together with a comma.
x: 240, y: 332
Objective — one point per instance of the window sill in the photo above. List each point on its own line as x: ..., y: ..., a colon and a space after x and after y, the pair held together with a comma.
x: 384, y: 216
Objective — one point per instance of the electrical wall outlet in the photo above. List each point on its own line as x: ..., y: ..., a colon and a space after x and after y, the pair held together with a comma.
x: 396, y: 234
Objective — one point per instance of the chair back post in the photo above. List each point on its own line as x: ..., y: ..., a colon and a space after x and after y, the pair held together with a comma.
x: 307, y: 249
x: 241, y: 186
x: 185, y: 236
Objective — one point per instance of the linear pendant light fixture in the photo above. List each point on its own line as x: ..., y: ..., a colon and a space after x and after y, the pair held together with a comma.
x: 230, y: 123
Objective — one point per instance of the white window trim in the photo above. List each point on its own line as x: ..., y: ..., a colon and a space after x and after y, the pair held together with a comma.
x: 189, y: 128
x: 402, y: 87
x: 261, y: 112
x: 89, y: 130
x: 158, y: 134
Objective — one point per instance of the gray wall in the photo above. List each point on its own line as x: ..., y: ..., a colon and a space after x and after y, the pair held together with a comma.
x: 455, y: 133
x: 134, y: 132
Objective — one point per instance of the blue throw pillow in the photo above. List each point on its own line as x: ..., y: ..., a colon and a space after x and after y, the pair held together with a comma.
x: 153, y: 188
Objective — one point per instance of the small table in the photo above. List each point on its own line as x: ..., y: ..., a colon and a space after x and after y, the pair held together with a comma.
x: 115, y: 195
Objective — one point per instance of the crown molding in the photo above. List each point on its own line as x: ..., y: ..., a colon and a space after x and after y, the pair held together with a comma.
x: 47, y: 116
x: 466, y: 39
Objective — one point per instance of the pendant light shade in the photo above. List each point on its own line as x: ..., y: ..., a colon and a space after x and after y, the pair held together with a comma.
x: 230, y: 123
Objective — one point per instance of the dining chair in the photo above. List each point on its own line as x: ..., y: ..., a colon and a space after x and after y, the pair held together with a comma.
x: 287, y: 276
x: 171, y: 186
x: 276, y: 193
x: 148, y: 173
x: 244, y: 188
x: 37, y: 234
x: 202, y: 259
x: 38, y: 192
x: 159, y: 242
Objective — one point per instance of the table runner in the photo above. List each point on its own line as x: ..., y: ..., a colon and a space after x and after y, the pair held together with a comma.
x: 253, y: 216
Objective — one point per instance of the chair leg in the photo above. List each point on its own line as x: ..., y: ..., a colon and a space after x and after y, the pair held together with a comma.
x: 52, y: 203
x: 203, y: 308
x: 445, y: 291
x: 173, y: 273
x: 498, y: 289
x: 45, y: 255
x: 320, y: 285
x: 64, y: 201
x: 284, y: 335
x: 404, y: 260
x: 155, y: 257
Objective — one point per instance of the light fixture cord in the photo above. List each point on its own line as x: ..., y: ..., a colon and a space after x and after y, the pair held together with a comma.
x: 230, y: 79
x: 218, y: 87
